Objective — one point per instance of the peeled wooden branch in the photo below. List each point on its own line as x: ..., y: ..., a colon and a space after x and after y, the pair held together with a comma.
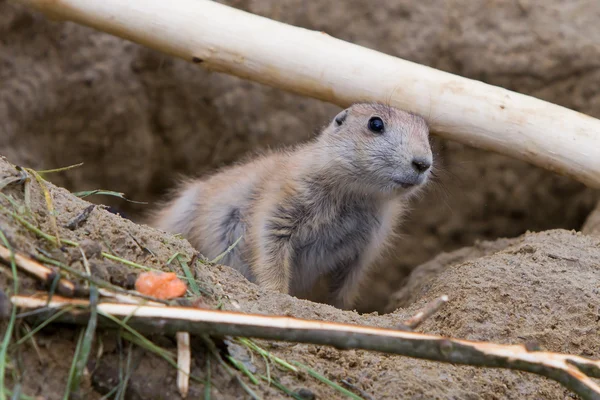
x: 225, y: 39
x: 569, y: 370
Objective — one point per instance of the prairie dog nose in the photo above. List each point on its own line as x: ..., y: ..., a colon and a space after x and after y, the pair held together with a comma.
x: 421, y: 164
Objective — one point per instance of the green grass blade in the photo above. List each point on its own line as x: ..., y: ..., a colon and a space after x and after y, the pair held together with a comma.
x: 242, y: 368
x: 207, y: 382
x: 125, y: 381
x: 213, y: 349
x: 35, y: 230
x: 51, y: 171
x: 21, y: 396
x: 13, y: 316
x: 129, y: 263
x: 190, y: 278
x: 88, y: 337
x: 253, y: 346
x: 220, y: 256
x: 72, y: 372
x: 141, y: 340
x: 43, y: 324
x: 283, y: 388
x: 328, y: 382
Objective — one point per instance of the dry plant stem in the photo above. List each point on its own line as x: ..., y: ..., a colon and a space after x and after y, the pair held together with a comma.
x: 184, y: 360
x: 427, y: 311
x: 224, y: 39
x: 569, y: 370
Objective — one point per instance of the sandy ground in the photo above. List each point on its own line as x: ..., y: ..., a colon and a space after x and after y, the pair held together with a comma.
x: 540, y: 287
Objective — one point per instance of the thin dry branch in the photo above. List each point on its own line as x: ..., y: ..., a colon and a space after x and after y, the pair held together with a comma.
x: 314, y: 64
x: 184, y: 360
x: 569, y: 370
x: 427, y: 311
x: 67, y: 288
x: 43, y: 273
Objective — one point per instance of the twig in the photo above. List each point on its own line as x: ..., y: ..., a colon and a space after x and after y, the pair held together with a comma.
x: 43, y: 273
x: 427, y: 311
x: 184, y: 359
x: 99, y: 282
x: 67, y: 288
x: 80, y: 218
x: 569, y: 370
x: 352, y: 386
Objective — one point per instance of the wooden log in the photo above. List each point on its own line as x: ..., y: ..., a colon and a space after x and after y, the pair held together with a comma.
x: 224, y: 39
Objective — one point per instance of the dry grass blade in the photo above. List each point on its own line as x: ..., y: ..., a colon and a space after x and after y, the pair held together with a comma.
x: 4, y: 182
x: 564, y: 368
x: 49, y: 203
x: 87, y: 193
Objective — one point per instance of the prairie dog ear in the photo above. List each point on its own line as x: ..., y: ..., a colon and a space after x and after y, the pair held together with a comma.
x: 340, y: 118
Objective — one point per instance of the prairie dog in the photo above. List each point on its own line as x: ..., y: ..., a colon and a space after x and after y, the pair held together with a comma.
x: 323, y: 209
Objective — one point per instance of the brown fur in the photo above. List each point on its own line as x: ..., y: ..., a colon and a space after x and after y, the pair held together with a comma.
x: 324, y: 209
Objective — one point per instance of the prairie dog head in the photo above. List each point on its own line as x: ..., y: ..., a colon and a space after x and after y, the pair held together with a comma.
x: 378, y: 148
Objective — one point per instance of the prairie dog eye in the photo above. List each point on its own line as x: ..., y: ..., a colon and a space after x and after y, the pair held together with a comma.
x: 376, y: 125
